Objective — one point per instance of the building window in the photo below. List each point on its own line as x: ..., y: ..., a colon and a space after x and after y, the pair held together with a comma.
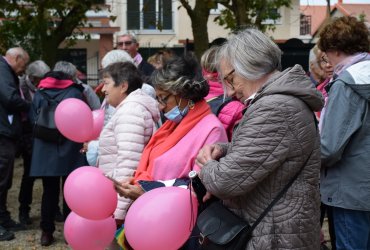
x: 277, y: 17
x: 305, y: 25
x: 149, y: 14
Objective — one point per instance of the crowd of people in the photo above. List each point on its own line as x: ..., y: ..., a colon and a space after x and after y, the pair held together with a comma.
x: 249, y: 128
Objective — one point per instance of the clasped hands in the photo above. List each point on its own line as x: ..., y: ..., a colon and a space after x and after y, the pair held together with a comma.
x: 207, y: 153
x: 128, y: 189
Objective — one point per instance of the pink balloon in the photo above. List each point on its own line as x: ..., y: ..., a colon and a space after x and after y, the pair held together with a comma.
x: 74, y: 119
x: 165, y: 218
x: 90, y: 194
x: 83, y: 234
x: 98, y: 122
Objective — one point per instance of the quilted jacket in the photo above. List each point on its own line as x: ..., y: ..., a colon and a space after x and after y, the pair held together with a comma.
x: 123, y: 139
x: 275, y: 137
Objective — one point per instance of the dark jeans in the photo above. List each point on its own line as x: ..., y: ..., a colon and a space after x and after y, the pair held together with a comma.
x: 7, y: 155
x: 352, y: 229
x: 26, y: 190
x: 49, y: 202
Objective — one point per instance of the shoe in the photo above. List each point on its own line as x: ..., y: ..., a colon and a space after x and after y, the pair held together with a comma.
x: 5, y: 234
x: 25, y: 219
x: 59, y: 216
x: 11, y: 225
x: 47, y: 239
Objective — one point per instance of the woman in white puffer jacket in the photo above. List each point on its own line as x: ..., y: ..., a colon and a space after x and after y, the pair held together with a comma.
x: 128, y: 131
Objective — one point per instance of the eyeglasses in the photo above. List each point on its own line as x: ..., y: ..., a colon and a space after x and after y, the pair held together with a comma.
x: 163, y: 100
x: 324, y: 60
x: 227, y: 81
x: 127, y: 43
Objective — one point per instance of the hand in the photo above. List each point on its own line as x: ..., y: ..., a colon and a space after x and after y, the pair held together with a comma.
x: 207, y: 196
x: 84, y: 148
x: 128, y: 190
x: 207, y: 153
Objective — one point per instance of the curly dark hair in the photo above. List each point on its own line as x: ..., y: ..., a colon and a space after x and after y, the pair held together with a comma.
x: 181, y: 76
x: 124, y: 71
x: 345, y: 34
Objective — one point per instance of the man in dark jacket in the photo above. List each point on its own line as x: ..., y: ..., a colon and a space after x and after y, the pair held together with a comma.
x: 12, y: 107
x: 128, y: 42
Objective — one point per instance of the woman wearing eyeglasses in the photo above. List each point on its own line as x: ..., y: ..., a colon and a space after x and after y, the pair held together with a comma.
x: 190, y: 125
x: 275, y: 142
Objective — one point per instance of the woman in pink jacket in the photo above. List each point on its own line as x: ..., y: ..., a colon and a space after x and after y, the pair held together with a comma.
x: 124, y: 137
x: 228, y: 111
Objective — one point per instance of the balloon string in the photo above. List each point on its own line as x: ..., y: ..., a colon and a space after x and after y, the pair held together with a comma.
x: 192, y: 217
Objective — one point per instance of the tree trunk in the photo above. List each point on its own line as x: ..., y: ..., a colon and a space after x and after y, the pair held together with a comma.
x: 199, y: 18
x: 200, y: 28
x: 240, y: 13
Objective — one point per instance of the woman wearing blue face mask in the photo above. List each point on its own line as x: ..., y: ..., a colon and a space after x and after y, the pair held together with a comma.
x: 190, y: 125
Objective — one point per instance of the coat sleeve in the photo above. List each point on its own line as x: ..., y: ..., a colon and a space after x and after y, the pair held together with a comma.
x: 10, y: 95
x: 257, y: 149
x: 342, y: 118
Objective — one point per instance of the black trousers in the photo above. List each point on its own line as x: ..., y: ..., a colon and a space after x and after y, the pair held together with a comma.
x: 26, y: 189
x: 7, y: 155
x: 328, y: 210
x: 49, y: 202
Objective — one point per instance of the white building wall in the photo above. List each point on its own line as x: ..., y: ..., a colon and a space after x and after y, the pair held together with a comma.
x: 287, y: 27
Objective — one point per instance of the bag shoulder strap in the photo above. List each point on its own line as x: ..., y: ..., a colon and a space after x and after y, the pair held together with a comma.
x: 284, y: 190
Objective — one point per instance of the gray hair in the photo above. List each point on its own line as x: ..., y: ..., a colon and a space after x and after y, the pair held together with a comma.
x: 251, y: 53
x: 67, y: 68
x: 130, y: 34
x: 37, y: 69
x: 313, y: 57
x: 115, y: 56
x: 180, y: 76
x: 17, y: 51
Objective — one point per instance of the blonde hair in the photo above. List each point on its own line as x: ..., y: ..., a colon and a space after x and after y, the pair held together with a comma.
x: 208, y: 59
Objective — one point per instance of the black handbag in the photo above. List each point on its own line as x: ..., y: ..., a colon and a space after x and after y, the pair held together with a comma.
x: 221, y: 229
x: 45, y: 128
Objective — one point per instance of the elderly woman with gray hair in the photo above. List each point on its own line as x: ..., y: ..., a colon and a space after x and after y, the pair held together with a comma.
x: 70, y: 69
x: 276, y: 141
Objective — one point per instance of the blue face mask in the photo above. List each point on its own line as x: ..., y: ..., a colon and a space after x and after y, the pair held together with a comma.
x: 176, y: 115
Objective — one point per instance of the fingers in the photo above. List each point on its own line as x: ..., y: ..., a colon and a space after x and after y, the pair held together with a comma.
x: 207, y: 196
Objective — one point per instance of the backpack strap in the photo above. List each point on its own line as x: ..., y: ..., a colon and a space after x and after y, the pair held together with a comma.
x: 217, y: 103
x: 227, y: 101
x: 52, y: 100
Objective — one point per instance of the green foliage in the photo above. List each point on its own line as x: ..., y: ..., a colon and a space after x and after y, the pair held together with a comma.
x: 40, y: 26
x: 240, y: 14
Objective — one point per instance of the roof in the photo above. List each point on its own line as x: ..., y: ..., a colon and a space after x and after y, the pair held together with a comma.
x: 318, y: 13
x: 354, y: 10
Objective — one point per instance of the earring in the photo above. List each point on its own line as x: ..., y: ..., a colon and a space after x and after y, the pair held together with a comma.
x: 191, y: 104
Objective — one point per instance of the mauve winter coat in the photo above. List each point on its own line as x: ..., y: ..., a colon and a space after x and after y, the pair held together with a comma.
x: 123, y: 139
x: 275, y: 137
